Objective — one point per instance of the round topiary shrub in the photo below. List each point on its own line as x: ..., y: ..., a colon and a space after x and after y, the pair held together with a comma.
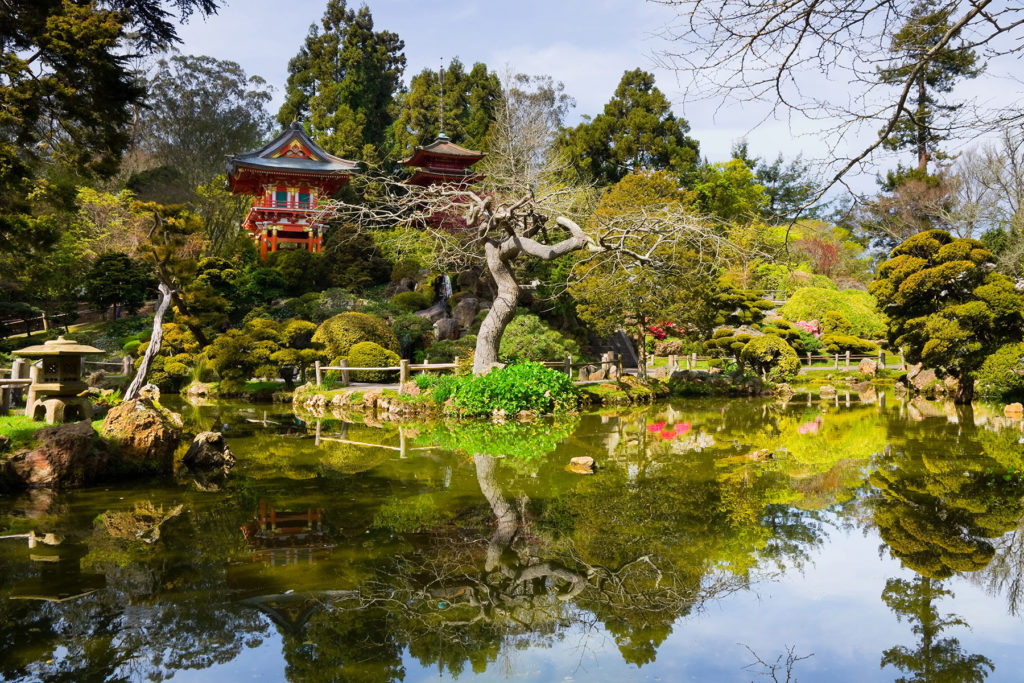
x: 370, y: 355
x: 841, y: 343
x: 772, y: 357
x: 408, y: 302
x: 343, y: 331
x: 1002, y: 373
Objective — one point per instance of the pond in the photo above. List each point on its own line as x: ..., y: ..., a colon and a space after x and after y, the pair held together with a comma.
x: 881, y: 539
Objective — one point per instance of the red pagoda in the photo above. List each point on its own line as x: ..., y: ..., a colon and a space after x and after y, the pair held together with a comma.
x: 442, y: 161
x: 289, y: 178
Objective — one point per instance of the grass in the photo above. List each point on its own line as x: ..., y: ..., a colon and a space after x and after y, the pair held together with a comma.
x: 19, y: 428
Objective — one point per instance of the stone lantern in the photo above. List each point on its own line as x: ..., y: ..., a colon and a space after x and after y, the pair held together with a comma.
x: 54, y: 395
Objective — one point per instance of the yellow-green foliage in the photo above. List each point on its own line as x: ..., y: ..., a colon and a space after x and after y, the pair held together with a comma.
x: 371, y: 355
x: 841, y: 343
x: 772, y: 357
x: 859, y: 308
x: 725, y: 343
x: 340, y: 333
x: 1002, y: 373
x: 171, y: 369
x: 407, y: 302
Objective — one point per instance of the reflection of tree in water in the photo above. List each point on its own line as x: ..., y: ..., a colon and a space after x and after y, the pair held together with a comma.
x: 941, y: 498
x: 935, y: 659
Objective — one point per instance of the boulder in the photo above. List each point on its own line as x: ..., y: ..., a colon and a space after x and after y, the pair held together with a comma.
x: 446, y: 329
x: 912, y: 371
x: 465, y: 311
x: 922, y: 379
x: 145, y: 433
x: 150, y: 391
x: 868, y: 367
x: 198, y: 390
x: 827, y: 391
x: 597, y: 376
x: 899, y: 389
x: 950, y: 384
x: 209, y: 452
x: 1014, y: 411
x: 63, y: 455
x: 583, y: 464
x: 584, y: 373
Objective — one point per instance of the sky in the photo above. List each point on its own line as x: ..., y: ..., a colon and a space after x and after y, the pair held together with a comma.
x: 586, y: 44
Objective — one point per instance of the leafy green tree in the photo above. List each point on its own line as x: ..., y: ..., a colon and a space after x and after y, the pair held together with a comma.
x: 920, y: 126
x: 637, y: 131
x: 470, y: 101
x: 772, y: 357
x: 947, y: 306
x: 343, y: 81
x: 787, y: 186
x: 728, y: 191
x: 116, y: 280
x: 66, y: 95
x: 197, y: 111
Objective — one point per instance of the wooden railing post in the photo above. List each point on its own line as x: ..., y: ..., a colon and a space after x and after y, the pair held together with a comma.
x: 403, y: 374
x: 568, y: 365
x: 618, y: 365
x: 881, y: 359
x: 319, y: 375
x: 847, y: 359
x: 837, y: 362
x: 808, y: 359
x: 903, y: 360
x: 127, y: 366
x: 694, y: 356
x: 345, y: 377
x: 30, y: 395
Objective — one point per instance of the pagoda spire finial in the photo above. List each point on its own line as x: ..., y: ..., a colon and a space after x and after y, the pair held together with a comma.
x: 441, y: 101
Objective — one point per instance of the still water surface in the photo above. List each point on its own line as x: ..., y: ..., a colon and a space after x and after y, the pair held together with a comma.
x: 881, y: 542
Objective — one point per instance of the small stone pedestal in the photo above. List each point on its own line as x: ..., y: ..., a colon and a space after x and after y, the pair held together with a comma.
x: 54, y: 393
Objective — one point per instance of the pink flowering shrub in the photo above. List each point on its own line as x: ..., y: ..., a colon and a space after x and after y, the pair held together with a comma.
x: 809, y: 326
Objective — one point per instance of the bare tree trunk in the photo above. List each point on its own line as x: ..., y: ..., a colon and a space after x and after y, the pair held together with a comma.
x: 154, y: 344
x: 502, y: 311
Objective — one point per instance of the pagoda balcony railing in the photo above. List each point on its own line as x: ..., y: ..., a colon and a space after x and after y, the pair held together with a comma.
x: 265, y: 203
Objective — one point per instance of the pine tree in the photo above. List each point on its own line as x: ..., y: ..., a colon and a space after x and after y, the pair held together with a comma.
x: 343, y: 81
x: 470, y: 100
x: 637, y: 131
x: 923, y: 125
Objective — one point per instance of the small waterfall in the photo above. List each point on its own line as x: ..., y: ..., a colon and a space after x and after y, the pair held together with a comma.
x: 444, y: 289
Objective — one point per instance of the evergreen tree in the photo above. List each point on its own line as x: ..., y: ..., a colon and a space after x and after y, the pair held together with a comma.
x: 343, y: 81
x: 119, y: 281
x: 637, y: 131
x: 921, y: 126
x: 470, y: 100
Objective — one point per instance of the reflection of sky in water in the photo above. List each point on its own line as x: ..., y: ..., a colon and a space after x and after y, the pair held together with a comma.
x: 832, y: 609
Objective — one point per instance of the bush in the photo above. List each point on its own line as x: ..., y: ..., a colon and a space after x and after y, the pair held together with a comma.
x: 406, y: 268
x: 528, y: 338
x: 786, y: 331
x: 726, y: 342
x: 440, y: 387
x: 414, y: 333
x: 858, y: 307
x: 408, y: 302
x: 523, y: 386
x: 1002, y: 373
x: 371, y: 355
x: 841, y: 343
x: 340, y: 333
x: 772, y: 357
x: 447, y: 351
x: 834, y: 321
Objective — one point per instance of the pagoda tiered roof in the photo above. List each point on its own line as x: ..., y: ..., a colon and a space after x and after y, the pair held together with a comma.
x: 443, y: 161
x: 292, y: 155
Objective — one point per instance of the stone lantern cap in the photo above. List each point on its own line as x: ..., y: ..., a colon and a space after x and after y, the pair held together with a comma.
x: 58, y: 347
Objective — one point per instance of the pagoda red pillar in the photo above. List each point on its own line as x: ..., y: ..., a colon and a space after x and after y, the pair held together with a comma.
x: 263, y: 245
x: 273, y: 241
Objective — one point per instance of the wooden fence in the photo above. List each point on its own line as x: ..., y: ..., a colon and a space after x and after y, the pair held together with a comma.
x: 808, y: 361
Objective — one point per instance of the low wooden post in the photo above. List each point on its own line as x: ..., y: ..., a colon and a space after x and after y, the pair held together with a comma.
x: 694, y: 356
x: 618, y: 365
x: 319, y: 375
x: 837, y: 362
x: 345, y: 377
x: 903, y: 360
x: 808, y: 359
x: 688, y: 367
x: 881, y: 359
x: 19, y: 370
x: 127, y: 365
x: 847, y: 359
x: 403, y: 374
x: 568, y: 365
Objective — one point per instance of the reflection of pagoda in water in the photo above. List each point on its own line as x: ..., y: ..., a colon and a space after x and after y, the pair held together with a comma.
x: 279, y: 538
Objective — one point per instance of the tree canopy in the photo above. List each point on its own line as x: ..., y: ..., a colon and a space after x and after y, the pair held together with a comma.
x: 343, y: 81
x: 637, y: 131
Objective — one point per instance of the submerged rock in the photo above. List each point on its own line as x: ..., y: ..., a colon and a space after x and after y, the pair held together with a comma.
x: 583, y: 464
x: 209, y: 452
